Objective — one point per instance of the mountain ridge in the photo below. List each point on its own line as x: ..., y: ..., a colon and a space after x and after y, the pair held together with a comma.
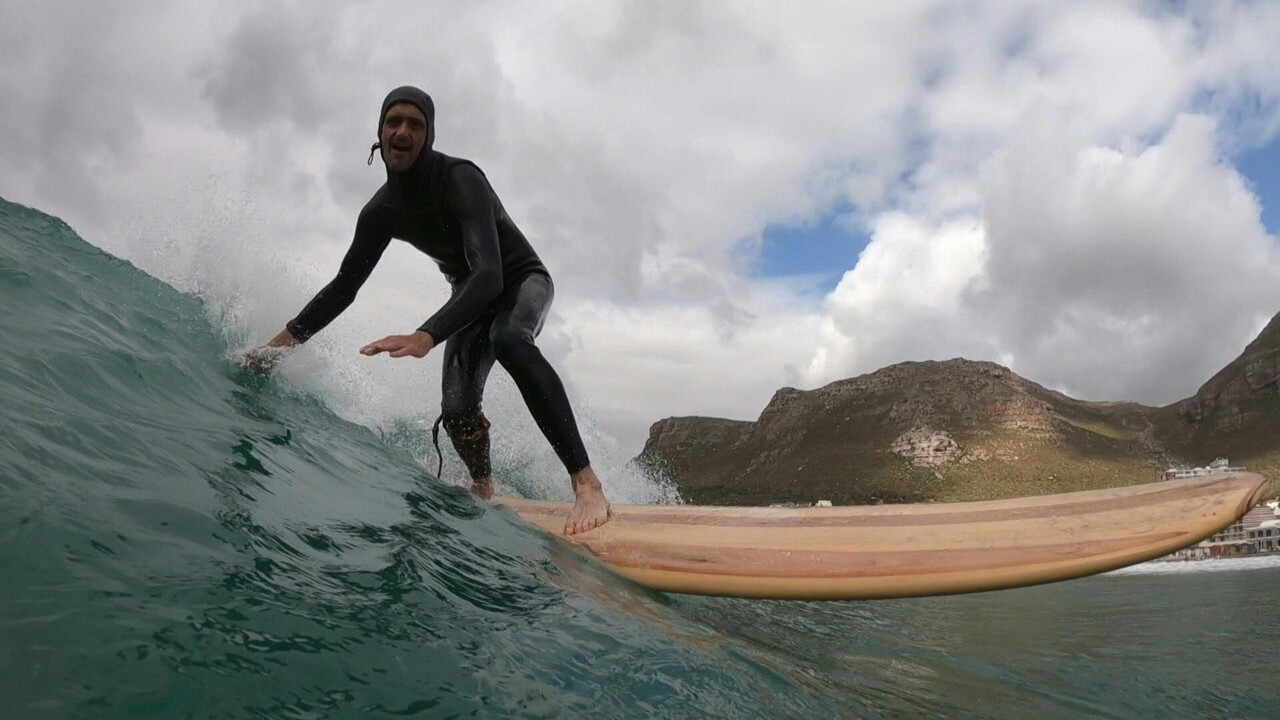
x: 960, y: 429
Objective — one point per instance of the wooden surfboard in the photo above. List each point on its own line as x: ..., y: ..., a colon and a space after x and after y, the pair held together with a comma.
x: 893, y: 551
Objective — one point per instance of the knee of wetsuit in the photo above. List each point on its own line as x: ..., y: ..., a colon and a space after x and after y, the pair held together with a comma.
x: 510, y: 345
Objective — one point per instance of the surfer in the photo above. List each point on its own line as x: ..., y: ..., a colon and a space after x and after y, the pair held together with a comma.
x: 501, y: 293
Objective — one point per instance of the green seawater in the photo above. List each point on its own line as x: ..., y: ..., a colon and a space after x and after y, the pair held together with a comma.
x: 181, y: 540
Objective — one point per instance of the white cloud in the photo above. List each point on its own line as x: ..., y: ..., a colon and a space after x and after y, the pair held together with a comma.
x: 1042, y: 181
x: 1125, y: 273
x: 645, y: 362
x: 903, y: 300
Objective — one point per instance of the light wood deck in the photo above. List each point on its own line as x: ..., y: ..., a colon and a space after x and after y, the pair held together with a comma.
x: 887, y: 551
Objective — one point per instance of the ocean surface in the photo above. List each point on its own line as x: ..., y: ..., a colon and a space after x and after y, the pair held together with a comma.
x: 183, y: 540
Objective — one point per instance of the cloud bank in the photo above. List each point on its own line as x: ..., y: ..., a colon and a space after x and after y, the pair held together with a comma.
x: 1046, y: 185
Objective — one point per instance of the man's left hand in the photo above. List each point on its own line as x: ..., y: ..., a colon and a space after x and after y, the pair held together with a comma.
x: 415, y: 345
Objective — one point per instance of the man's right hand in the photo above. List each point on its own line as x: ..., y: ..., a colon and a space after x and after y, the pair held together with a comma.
x: 264, y: 358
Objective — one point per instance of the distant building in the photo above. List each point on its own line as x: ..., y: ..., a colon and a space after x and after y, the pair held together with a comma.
x: 1256, y: 533
x: 1218, y: 467
x: 1266, y: 537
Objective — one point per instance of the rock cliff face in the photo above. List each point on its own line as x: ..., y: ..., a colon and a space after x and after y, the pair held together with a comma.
x: 1236, y: 408
x: 959, y: 430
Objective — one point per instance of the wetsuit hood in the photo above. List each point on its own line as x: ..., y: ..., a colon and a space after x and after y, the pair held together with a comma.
x: 418, y: 99
x: 420, y: 175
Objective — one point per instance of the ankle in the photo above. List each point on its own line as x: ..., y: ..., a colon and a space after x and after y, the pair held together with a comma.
x: 585, y: 479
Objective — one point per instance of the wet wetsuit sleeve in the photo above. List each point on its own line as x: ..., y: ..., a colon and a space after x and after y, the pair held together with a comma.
x: 469, y: 199
x: 366, y: 249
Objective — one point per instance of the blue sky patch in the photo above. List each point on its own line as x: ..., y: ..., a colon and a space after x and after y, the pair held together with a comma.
x: 1261, y: 167
x: 822, y: 250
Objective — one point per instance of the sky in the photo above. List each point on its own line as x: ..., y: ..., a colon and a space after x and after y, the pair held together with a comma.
x: 732, y: 197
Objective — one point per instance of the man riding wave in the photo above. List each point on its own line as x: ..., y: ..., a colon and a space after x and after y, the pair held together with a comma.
x: 501, y: 293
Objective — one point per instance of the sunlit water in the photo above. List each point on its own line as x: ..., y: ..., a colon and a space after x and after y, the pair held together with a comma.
x: 183, y: 540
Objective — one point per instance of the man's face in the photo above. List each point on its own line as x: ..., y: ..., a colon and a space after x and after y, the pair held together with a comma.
x: 404, y: 132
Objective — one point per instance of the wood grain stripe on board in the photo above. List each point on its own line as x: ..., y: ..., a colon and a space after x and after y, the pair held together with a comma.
x: 797, y: 564
x: 689, y: 515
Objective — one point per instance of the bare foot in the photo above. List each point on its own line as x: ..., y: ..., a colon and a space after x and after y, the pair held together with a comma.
x: 483, y: 488
x: 590, y: 509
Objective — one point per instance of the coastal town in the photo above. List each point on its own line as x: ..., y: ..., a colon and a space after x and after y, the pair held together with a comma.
x: 1256, y: 533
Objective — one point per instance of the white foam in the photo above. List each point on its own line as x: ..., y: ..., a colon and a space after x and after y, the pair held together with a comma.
x: 1264, y: 562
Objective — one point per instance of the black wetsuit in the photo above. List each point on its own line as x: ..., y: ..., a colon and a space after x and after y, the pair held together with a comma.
x: 501, y: 292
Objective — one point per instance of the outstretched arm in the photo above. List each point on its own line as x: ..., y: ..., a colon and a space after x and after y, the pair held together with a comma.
x: 366, y: 249
x: 363, y: 255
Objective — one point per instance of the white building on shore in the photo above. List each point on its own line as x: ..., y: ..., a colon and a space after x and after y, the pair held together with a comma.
x: 1266, y: 537
x: 1257, y: 533
x: 1218, y: 467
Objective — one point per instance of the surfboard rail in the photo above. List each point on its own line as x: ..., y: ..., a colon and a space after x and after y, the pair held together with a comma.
x: 892, y: 551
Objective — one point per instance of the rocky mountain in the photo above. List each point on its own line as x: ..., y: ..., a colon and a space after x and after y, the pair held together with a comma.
x: 964, y: 430
x: 1237, y: 411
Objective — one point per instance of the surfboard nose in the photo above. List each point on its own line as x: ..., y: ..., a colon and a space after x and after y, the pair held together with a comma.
x: 1259, y: 490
